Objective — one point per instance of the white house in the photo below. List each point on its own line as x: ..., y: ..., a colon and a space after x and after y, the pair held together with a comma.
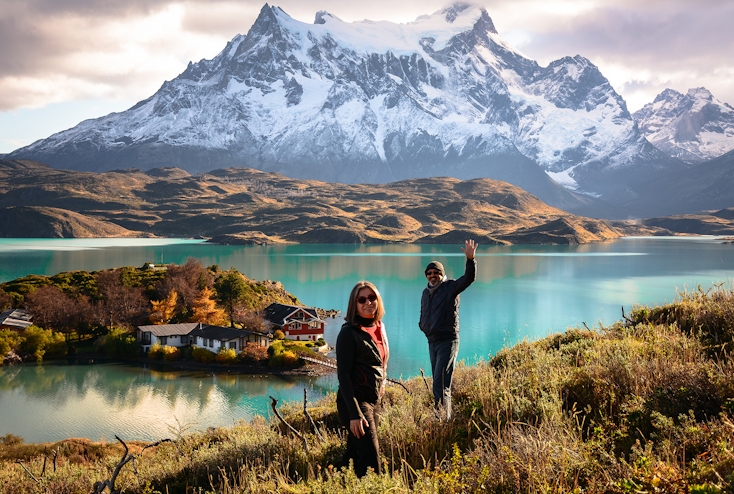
x: 215, y: 337
x: 165, y: 334
x: 202, y: 335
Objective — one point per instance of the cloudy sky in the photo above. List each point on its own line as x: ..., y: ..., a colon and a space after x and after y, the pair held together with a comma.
x: 63, y: 61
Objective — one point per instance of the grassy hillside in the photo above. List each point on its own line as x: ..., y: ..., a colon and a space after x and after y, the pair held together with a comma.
x: 645, y: 405
x: 241, y: 205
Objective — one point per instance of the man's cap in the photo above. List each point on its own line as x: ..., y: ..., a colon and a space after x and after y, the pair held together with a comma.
x: 435, y: 265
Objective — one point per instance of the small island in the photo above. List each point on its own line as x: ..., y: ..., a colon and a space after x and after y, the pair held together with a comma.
x: 187, y: 316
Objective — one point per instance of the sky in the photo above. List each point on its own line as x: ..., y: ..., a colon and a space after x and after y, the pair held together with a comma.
x: 64, y: 61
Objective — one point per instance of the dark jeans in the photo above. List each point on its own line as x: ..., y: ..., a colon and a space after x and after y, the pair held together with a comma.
x: 364, y: 451
x: 443, y: 360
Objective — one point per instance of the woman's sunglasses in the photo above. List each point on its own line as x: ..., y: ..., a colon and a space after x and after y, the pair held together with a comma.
x: 363, y: 300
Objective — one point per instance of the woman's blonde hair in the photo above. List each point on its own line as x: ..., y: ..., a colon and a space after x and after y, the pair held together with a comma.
x: 351, y: 316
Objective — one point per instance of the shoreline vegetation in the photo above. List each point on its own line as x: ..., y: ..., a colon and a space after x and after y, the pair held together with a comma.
x: 644, y: 405
x: 84, y: 314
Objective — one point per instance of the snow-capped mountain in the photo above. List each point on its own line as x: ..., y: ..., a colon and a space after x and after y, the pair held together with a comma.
x: 375, y: 102
x: 693, y: 127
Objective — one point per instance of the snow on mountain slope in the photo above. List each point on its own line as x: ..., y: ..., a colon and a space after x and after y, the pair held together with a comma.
x: 374, y: 102
x: 693, y: 127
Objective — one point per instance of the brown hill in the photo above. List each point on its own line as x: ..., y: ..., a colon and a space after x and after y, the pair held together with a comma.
x: 45, y: 222
x: 240, y: 205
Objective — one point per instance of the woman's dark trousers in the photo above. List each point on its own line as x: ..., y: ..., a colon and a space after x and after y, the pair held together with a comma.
x: 364, y: 451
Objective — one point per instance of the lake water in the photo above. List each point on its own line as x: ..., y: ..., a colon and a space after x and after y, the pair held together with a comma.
x: 521, y: 292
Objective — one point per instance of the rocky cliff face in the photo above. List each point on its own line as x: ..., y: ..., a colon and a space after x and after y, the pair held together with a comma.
x: 368, y: 101
x: 693, y: 127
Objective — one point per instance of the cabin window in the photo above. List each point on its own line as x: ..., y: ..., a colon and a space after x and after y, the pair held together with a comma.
x: 146, y: 338
x: 184, y: 339
x: 233, y: 345
x: 163, y: 340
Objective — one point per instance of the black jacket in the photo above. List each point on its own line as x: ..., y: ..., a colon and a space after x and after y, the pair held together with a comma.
x: 440, y: 310
x: 360, y: 367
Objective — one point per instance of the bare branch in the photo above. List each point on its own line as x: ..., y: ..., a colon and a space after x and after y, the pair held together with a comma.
x: 273, y: 403
x: 20, y: 462
x: 423, y: 375
x: 308, y: 415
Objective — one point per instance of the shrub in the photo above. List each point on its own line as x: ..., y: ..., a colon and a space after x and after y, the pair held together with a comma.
x: 155, y: 351
x: 275, y: 348
x: 171, y: 353
x: 11, y: 440
x: 9, y: 342
x: 285, y: 358
x: 321, y: 342
x: 253, y: 354
x: 226, y: 356
x: 118, y: 343
x: 39, y: 342
x: 202, y: 355
x: 278, y: 335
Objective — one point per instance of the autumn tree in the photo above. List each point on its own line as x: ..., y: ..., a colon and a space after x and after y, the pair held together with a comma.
x: 204, y: 309
x: 187, y: 280
x: 162, y: 311
x: 119, y: 304
x: 231, y: 289
x: 249, y: 319
x: 51, y: 308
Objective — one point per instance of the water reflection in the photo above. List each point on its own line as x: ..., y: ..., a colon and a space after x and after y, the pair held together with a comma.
x: 102, y: 400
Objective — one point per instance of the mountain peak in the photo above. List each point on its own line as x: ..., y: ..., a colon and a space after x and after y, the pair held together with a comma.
x: 700, y: 93
x: 451, y: 12
x: 694, y: 127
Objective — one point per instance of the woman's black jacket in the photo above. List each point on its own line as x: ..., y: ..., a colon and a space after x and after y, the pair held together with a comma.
x: 359, y: 367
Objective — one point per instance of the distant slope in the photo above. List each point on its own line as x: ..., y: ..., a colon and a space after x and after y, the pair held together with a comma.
x: 45, y: 222
x: 241, y: 205
x: 706, y: 186
x: 706, y: 223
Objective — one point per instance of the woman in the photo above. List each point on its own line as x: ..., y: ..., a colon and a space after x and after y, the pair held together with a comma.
x: 361, y: 355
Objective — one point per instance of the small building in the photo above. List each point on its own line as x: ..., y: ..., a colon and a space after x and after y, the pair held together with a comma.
x: 165, y: 334
x: 215, y: 337
x: 15, y: 319
x: 297, y: 322
x: 202, y: 335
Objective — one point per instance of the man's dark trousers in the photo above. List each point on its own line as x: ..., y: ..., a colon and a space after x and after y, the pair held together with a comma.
x: 443, y: 360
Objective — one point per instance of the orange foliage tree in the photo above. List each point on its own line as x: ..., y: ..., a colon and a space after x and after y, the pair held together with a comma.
x: 162, y: 311
x: 204, y: 309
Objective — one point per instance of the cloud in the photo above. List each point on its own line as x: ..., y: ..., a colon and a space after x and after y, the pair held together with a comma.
x: 56, y: 51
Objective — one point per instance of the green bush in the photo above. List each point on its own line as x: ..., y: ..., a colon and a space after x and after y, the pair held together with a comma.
x: 39, y: 343
x: 275, y: 348
x: 118, y: 343
x: 171, y: 353
x: 9, y: 341
x: 155, y: 351
x: 202, y: 355
x: 285, y: 358
x: 227, y: 356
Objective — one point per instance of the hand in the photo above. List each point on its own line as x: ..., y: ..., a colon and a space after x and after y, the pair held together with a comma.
x: 357, y: 426
x: 470, y: 248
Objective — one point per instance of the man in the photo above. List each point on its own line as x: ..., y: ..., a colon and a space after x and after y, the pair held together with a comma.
x: 440, y: 322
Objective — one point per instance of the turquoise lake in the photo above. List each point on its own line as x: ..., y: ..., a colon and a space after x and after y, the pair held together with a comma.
x: 521, y: 292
